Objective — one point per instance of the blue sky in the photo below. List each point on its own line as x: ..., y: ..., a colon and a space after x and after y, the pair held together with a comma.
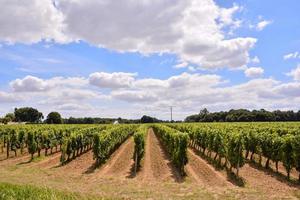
x: 129, y: 58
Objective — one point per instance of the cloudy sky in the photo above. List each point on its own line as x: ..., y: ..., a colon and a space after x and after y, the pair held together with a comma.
x: 127, y: 58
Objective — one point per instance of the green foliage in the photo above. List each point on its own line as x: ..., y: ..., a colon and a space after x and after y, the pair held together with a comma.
x: 9, y: 117
x: 279, y: 142
x: 28, y: 115
x: 235, y: 150
x: 19, y: 192
x: 175, y: 143
x: 107, y: 141
x: 243, y: 115
x: 287, y: 153
x: 296, y: 148
x: 32, y: 146
x: 78, y: 141
x: 139, y: 141
x: 54, y: 118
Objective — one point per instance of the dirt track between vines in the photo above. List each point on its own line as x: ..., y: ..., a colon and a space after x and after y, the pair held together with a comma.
x: 203, y: 173
x: 156, y: 165
x: 120, y: 162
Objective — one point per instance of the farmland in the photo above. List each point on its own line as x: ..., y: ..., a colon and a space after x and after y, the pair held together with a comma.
x: 152, y: 161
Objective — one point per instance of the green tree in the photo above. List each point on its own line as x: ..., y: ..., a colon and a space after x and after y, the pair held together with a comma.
x: 10, y: 117
x: 54, y: 118
x: 28, y: 114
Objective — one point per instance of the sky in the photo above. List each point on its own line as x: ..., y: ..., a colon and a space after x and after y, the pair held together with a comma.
x: 127, y: 58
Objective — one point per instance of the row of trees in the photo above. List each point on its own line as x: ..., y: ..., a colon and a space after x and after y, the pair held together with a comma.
x: 97, y: 120
x: 31, y: 115
x: 243, y: 115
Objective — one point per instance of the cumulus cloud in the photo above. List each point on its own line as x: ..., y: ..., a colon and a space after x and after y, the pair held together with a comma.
x: 158, y: 91
x: 254, y: 72
x: 295, y: 73
x: 112, y: 80
x: 288, y: 89
x: 133, y: 96
x: 255, y: 60
x: 56, y: 93
x: 181, y: 65
x: 263, y: 24
x: 35, y: 84
x: 8, y: 97
x: 30, y: 21
x: 294, y: 55
x: 226, y: 15
x: 193, y: 30
x: 187, y: 92
x: 74, y: 107
x: 29, y: 84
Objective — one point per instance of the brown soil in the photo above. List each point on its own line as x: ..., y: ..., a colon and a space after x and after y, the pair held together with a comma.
x: 16, y: 160
x: 50, y: 161
x: 121, y: 162
x: 78, y: 166
x: 203, y: 173
x: 266, y: 182
x: 156, y: 165
x: 294, y: 174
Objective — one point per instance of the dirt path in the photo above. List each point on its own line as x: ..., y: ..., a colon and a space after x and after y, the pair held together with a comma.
x: 120, y: 163
x: 79, y: 166
x: 266, y: 182
x: 156, y: 165
x: 294, y: 174
x: 203, y: 173
x: 15, y: 160
x: 50, y: 161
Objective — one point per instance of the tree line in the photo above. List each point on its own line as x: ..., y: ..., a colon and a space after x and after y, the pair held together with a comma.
x: 244, y: 115
x: 32, y: 115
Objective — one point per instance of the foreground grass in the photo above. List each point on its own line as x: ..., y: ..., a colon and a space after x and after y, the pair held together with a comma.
x: 20, y: 192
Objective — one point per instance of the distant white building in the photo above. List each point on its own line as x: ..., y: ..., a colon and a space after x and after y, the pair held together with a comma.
x: 116, y: 122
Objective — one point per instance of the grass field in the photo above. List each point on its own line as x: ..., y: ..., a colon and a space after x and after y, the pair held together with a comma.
x: 22, y: 192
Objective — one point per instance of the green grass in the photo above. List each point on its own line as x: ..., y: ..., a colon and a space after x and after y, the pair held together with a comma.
x: 21, y: 192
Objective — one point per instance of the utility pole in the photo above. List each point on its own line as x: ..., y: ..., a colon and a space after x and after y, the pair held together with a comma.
x: 171, y: 108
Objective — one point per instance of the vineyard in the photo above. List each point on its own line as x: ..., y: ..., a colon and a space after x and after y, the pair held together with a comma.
x: 220, y: 158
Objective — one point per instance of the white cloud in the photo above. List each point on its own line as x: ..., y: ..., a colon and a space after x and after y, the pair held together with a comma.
x: 150, y: 83
x: 289, y: 89
x: 255, y: 60
x: 29, y: 84
x: 35, y: 84
x: 30, y: 21
x: 254, y: 72
x: 132, y: 96
x: 263, y: 24
x: 112, y: 80
x: 226, y: 16
x: 181, y: 65
x: 187, y: 92
x: 295, y: 73
x: 74, y: 107
x: 294, y: 55
x: 193, y: 30
x: 9, y: 97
